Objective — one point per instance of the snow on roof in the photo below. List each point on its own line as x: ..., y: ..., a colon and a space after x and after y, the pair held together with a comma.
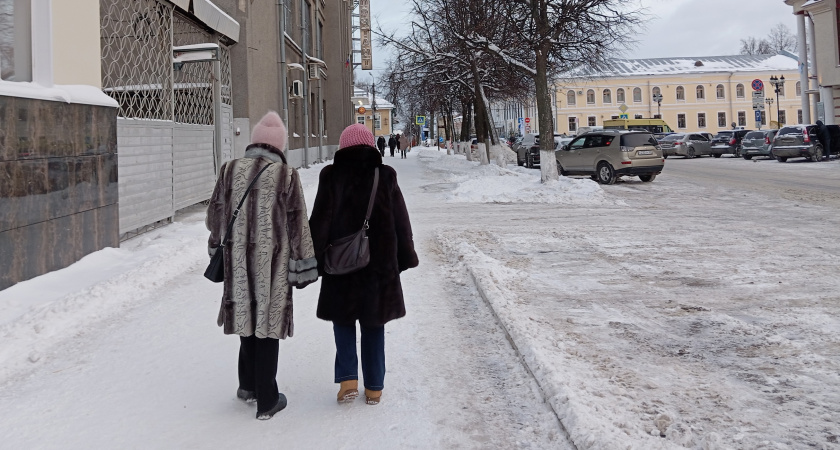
x: 364, y: 96
x: 88, y: 95
x: 689, y: 65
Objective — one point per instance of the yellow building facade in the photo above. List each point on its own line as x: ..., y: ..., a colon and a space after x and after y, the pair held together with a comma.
x: 696, y: 94
x: 381, y: 122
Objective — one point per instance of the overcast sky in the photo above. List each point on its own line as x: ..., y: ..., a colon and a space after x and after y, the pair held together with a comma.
x: 675, y: 27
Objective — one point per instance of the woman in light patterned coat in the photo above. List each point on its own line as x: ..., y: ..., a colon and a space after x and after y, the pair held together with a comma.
x: 269, y: 252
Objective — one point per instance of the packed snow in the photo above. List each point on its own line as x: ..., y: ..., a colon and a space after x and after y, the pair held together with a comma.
x: 654, y: 315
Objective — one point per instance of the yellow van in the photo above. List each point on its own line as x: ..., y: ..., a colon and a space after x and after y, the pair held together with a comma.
x: 651, y: 125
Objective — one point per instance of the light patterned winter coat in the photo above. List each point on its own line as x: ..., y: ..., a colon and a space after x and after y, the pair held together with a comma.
x: 270, y: 248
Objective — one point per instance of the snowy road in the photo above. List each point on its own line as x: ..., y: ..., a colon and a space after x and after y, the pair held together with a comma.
x: 691, y: 312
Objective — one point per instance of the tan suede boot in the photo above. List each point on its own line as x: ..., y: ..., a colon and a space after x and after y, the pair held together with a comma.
x: 372, y: 397
x: 348, y: 391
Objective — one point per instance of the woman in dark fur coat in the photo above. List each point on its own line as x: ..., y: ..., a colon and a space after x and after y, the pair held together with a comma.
x: 372, y: 296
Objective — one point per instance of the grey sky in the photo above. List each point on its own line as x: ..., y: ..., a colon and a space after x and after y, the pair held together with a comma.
x: 675, y: 28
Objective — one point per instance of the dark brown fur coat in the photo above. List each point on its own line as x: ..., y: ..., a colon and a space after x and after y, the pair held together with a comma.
x: 373, y: 296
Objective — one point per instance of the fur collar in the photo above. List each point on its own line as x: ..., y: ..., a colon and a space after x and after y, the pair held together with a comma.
x: 358, y: 156
x: 267, y: 151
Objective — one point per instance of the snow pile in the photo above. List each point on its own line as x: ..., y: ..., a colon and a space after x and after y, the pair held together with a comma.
x: 493, y: 184
x: 48, y: 309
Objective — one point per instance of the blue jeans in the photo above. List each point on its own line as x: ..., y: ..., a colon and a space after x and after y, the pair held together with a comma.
x: 373, y: 355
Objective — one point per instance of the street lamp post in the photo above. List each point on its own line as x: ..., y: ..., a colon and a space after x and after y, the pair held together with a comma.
x: 658, y: 99
x: 778, y: 83
x: 769, y: 102
x: 373, y: 105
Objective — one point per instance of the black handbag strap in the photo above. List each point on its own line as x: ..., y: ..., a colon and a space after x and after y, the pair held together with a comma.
x: 238, y: 207
x: 372, y: 195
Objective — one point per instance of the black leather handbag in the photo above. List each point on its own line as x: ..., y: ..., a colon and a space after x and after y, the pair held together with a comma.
x: 216, y: 269
x: 351, y: 253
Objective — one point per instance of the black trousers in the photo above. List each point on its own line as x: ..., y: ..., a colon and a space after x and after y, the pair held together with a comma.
x: 258, y: 369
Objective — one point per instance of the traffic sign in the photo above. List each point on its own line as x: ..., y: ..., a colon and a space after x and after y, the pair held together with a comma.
x: 521, y: 120
x: 623, y: 116
x: 623, y: 108
x: 420, y: 120
x: 757, y: 85
x: 757, y: 116
x: 527, y: 120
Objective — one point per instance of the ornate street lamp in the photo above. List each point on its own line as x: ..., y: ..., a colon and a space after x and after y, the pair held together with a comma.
x: 778, y: 83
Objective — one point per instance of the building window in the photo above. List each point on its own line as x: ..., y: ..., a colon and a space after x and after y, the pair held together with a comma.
x: 782, y: 89
x: 320, y: 41
x: 782, y: 117
x: 637, y: 95
x: 613, y: 117
x: 656, y: 91
x: 742, y: 118
x: 799, y: 89
x: 680, y: 120
x: 721, y: 120
x: 607, y: 96
x: 592, y: 121
x: 637, y: 116
x: 619, y: 95
x: 680, y: 93
x: 360, y: 119
x: 570, y: 98
x: 377, y: 122
x: 719, y: 92
x: 701, y: 120
x: 798, y: 116
x: 739, y: 90
x: 701, y: 93
x: 657, y: 116
x: 15, y: 46
x: 572, y: 123
x: 590, y: 97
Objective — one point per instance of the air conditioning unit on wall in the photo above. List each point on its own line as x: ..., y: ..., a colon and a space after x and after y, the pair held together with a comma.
x: 314, y: 73
x: 296, y: 89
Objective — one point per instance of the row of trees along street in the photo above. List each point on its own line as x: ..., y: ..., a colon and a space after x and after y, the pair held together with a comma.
x: 460, y: 54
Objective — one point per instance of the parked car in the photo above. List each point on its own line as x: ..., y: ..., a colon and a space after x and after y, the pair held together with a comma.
x: 758, y: 143
x: 728, y: 142
x: 689, y: 145
x: 707, y: 135
x: 609, y: 154
x: 528, y: 152
x: 802, y: 141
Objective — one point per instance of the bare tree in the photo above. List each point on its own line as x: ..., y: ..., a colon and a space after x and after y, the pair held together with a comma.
x: 755, y: 46
x: 781, y: 39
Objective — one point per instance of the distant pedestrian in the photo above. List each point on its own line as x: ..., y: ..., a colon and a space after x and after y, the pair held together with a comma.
x: 373, y: 295
x: 404, y: 144
x: 380, y: 144
x: 392, y: 144
x: 397, y: 138
x: 824, y: 136
x: 267, y: 252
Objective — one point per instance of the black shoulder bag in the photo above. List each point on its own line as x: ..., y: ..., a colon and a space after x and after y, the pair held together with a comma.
x: 216, y: 269
x: 351, y: 253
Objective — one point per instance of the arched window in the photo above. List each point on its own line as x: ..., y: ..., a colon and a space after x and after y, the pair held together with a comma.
x: 590, y: 97
x: 701, y: 93
x: 799, y: 91
x: 619, y: 95
x: 570, y: 98
x: 739, y: 90
x: 656, y: 91
x: 719, y: 92
x: 637, y: 95
x: 607, y: 96
x: 680, y: 93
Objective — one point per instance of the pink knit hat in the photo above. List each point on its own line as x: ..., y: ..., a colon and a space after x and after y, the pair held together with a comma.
x: 270, y: 130
x: 356, y: 134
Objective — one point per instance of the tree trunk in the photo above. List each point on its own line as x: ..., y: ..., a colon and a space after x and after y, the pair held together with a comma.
x: 548, y: 163
x: 466, y: 115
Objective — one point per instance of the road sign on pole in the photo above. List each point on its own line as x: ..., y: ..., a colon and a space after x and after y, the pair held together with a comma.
x: 420, y: 120
x: 757, y: 85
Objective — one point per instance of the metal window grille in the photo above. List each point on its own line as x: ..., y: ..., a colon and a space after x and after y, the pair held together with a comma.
x: 137, y: 37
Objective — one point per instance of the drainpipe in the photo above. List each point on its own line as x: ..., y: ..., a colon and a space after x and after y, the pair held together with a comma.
x: 281, y: 54
x: 803, y: 67
x: 320, y: 107
x: 650, y: 101
x: 305, y: 60
x: 812, y: 55
x: 731, y: 101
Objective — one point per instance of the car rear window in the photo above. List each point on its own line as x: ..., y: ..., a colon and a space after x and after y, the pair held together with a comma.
x: 672, y: 137
x: 754, y: 135
x: 637, y: 140
x: 724, y: 134
x: 790, y: 130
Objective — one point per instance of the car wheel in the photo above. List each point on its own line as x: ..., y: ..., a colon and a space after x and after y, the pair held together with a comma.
x: 747, y: 156
x: 647, y: 178
x: 605, y: 173
x: 781, y: 158
x: 737, y: 152
x: 691, y: 154
x: 716, y: 155
x: 818, y: 153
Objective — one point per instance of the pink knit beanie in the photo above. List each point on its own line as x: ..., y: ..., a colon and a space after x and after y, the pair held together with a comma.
x: 270, y: 130
x: 356, y: 134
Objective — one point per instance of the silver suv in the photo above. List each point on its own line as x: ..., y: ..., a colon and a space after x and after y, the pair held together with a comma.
x: 609, y: 154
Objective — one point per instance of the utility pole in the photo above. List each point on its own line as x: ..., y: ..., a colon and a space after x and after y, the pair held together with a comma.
x: 373, y: 105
